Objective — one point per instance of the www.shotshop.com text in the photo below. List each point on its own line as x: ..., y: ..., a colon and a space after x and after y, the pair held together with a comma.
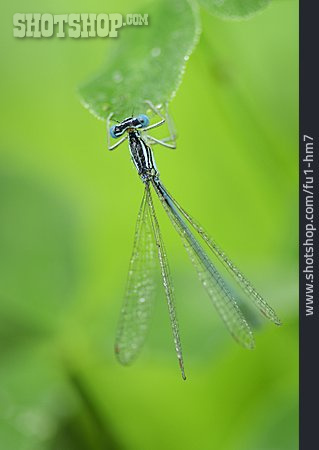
x: 309, y: 228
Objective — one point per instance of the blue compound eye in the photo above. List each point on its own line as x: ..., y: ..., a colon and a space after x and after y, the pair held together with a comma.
x: 112, y: 132
x: 144, y: 120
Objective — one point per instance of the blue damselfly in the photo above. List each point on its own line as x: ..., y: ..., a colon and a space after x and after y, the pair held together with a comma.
x: 136, y: 310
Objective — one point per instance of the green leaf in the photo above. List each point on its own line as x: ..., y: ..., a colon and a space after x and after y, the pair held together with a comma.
x: 234, y: 9
x: 146, y: 62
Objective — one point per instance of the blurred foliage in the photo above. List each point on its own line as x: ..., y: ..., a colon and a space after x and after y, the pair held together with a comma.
x: 234, y: 9
x: 68, y: 210
x: 149, y: 65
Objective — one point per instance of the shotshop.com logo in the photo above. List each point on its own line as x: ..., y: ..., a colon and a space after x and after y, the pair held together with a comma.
x: 73, y: 25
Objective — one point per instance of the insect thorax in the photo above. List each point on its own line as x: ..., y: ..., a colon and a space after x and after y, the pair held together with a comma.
x: 142, y: 156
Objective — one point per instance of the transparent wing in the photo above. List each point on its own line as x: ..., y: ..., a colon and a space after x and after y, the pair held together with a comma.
x: 136, y: 311
x: 239, y: 277
x: 216, y: 288
x: 166, y: 281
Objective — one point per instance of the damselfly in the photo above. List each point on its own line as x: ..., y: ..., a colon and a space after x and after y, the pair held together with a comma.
x: 136, y: 311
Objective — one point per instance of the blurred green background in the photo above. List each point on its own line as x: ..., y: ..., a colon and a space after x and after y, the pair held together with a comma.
x: 67, y: 215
